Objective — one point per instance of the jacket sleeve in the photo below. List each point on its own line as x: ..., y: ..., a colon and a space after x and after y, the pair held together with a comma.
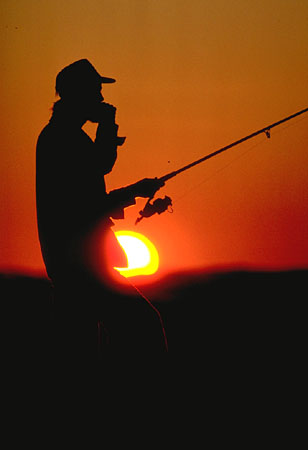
x: 119, y: 199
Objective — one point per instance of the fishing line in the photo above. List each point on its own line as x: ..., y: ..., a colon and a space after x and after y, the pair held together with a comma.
x: 291, y: 124
x: 160, y: 205
x: 221, y: 169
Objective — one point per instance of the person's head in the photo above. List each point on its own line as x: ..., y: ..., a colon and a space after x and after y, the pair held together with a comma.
x: 80, y: 84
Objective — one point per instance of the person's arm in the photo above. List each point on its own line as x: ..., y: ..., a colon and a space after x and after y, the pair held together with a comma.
x: 119, y: 199
x: 107, y: 141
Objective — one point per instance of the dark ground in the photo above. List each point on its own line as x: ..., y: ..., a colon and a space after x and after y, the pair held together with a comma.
x: 236, y: 361
x: 220, y: 318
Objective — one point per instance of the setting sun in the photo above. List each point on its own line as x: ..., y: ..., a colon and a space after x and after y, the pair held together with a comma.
x: 142, y: 256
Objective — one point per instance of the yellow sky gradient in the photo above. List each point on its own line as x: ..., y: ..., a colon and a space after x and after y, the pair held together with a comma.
x: 192, y: 76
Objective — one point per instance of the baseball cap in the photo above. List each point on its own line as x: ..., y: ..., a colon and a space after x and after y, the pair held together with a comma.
x: 78, y: 74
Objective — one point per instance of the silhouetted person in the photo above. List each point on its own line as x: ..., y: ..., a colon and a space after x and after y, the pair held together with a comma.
x: 72, y: 203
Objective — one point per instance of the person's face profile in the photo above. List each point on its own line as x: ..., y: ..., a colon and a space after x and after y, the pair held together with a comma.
x: 91, y: 100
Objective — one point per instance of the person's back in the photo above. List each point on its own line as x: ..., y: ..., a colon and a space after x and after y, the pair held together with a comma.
x: 71, y: 194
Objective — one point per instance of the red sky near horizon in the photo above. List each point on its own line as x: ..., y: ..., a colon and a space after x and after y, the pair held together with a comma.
x: 192, y: 76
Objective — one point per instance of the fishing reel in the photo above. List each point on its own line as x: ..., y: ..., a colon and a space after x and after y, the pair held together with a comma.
x: 159, y: 206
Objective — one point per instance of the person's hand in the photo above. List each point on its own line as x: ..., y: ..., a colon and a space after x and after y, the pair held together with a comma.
x: 147, y: 187
x: 102, y: 113
x: 107, y: 112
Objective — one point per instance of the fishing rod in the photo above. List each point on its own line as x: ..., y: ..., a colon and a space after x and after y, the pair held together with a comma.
x: 161, y: 205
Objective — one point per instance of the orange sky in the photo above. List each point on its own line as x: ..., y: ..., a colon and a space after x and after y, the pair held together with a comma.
x: 192, y: 76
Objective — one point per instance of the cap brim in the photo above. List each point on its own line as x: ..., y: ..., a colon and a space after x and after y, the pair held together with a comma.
x: 107, y: 80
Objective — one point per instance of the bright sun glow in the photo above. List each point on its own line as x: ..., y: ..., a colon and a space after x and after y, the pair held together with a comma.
x: 141, y: 254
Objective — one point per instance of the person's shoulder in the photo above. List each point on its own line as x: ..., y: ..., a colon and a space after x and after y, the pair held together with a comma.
x: 50, y: 144
x: 52, y: 135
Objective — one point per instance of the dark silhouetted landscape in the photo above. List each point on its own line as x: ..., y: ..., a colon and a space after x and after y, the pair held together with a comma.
x: 237, y: 350
x: 230, y: 320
